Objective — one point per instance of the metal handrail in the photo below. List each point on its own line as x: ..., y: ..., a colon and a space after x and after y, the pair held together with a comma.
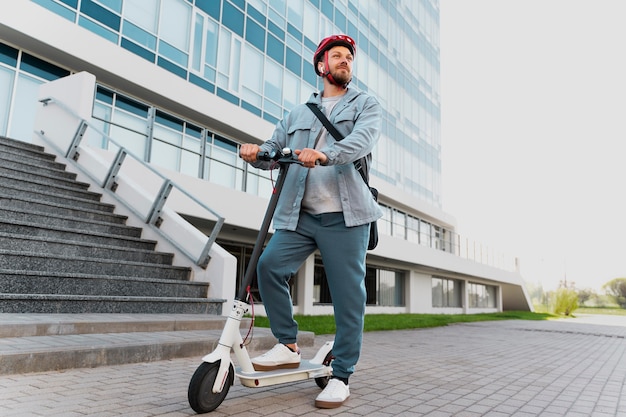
x: 109, y: 182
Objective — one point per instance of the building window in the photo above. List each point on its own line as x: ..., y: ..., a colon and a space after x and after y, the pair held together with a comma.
x: 384, y: 287
x: 447, y: 292
x: 480, y: 295
x: 21, y: 75
x: 243, y: 253
x: 389, y: 287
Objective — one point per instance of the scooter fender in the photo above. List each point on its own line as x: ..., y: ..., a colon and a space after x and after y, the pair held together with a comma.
x: 222, y: 372
x: 321, y: 354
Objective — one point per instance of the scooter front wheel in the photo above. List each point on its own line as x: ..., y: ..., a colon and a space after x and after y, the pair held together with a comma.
x: 200, y: 394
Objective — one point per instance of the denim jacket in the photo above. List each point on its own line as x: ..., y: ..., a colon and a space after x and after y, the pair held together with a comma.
x: 358, y: 116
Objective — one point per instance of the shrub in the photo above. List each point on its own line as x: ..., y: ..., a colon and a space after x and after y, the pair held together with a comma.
x: 566, y: 301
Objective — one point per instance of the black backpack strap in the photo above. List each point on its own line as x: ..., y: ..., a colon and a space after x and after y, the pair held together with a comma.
x: 327, y: 124
x: 359, y: 165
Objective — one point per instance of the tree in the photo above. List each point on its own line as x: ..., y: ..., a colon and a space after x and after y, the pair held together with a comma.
x: 617, y: 288
x: 585, y: 295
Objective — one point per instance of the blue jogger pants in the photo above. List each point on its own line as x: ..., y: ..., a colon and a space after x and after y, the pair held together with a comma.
x: 343, y: 251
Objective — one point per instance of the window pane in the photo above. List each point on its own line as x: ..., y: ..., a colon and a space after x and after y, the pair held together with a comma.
x: 165, y: 155
x: 252, y: 77
x: 101, y: 119
x: 210, y: 50
x: 437, y: 292
x: 190, y: 163
x: 132, y: 140
x: 222, y: 174
x: 390, y: 289
x: 255, y: 34
x: 175, y: 23
x: 399, y: 224
x: 167, y: 135
x: 424, y: 233
x: 143, y: 13
x: 23, y: 116
x: 224, y: 51
x: 295, y: 13
x: 273, y: 81
x: 139, y: 35
x: 233, y: 18
x: 6, y: 89
x: 173, y: 54
x: 236, y: 65
x: 290, y: 91
x: 196, y: 58
x: 311, y: 27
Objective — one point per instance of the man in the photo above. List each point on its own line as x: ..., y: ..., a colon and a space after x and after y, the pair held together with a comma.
x: 325, y: 205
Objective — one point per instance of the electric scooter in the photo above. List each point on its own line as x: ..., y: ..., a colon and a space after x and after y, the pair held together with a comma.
x: 211, y: 381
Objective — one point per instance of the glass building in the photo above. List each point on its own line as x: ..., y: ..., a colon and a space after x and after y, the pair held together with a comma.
x: 242, y: 65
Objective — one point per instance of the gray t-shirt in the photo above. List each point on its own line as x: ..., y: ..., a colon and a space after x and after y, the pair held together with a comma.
x: 322, y: 190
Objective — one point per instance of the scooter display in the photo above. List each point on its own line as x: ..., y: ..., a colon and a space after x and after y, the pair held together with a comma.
x: 211, y: 381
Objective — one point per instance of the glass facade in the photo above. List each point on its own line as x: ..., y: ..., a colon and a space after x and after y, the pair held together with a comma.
x: 257, y: 55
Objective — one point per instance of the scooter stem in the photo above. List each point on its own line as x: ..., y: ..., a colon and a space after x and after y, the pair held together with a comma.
x: 230, y: 339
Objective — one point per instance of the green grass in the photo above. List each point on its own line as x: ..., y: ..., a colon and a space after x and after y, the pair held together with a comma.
x: 377, y: 322
x: 616, y: 311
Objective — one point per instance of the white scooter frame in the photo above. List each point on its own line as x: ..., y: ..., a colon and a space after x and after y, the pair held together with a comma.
x: 211, y: 381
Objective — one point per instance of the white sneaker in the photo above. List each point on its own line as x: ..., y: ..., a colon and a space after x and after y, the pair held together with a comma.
x: 334, y: 395
x: 279, y: 357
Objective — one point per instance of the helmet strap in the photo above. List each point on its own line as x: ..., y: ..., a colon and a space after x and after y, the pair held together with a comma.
x: 328, y: 75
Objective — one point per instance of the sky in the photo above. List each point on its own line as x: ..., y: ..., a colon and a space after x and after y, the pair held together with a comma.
x: 533, y: 114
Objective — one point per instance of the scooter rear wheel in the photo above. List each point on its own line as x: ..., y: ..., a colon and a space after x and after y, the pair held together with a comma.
x: 200, y: 394
x: 323, y: 380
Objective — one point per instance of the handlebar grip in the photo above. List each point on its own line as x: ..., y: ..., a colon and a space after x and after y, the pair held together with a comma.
x: 264, y: 156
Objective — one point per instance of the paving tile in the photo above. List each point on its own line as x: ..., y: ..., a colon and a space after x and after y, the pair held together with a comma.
x: 507, y: 368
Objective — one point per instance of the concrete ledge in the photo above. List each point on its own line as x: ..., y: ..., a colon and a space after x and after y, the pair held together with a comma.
x: 40, y: 343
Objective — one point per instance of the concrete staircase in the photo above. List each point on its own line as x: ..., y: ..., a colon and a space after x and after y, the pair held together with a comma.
x: 79, y: 288
x: 63, y: 251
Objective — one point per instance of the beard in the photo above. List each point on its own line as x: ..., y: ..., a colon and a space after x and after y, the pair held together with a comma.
x: 342, y: 77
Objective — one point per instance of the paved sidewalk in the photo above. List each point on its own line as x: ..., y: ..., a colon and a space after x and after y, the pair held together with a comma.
x: 573, y: 367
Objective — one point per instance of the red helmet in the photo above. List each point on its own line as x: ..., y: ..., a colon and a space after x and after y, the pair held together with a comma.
x: 325, y: 45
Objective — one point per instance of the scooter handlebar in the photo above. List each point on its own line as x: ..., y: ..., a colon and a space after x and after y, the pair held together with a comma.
x: 275, y: 155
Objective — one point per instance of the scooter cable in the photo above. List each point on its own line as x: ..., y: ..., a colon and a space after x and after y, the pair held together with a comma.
x: 251, y: 328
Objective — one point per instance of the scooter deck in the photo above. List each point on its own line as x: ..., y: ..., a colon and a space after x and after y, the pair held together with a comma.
x: 306, y: 370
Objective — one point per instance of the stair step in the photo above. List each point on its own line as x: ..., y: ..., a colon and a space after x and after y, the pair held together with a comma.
x: 21, y: 243
x: 67, y: 210
x: 13, y: 154
x: 49, y: 232
x: 48, y: 187
x: 21, y: 325
x: 17, y: 165
x: 26, y: 148
x: 58, y: 283
x: 13, y: 191
x: 80, y: 304
x: 49, y: 342
x: 40, y: 218
x: 47, y: 179
x: 70, y: 264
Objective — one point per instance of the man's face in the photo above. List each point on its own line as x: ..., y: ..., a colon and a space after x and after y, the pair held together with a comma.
x: 340, y: 63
